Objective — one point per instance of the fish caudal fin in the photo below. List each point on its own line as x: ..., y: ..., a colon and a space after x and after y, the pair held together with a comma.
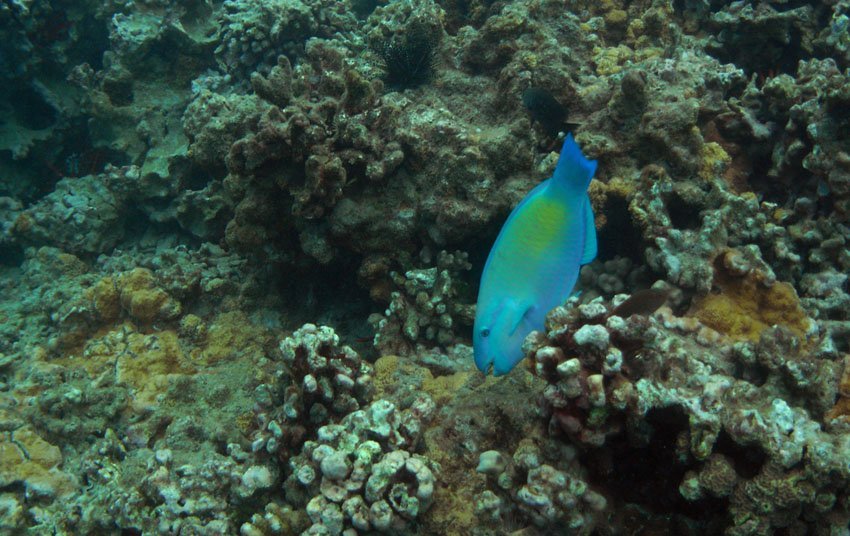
x: 574, y: 170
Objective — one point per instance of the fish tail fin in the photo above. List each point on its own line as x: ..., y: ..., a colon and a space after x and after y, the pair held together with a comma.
x: 574, y: 171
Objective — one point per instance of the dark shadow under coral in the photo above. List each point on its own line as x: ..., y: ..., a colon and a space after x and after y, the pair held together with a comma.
x: 641, y: 472
x: 619, y: 237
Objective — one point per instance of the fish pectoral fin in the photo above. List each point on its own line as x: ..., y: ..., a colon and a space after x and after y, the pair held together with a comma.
x: 589, y: 252
x: 523, y: 319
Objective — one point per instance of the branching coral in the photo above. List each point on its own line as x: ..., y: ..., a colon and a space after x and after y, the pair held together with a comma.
x: 548, y: 496
x: 426, y: 308
x: 361, y: 472
x: 320, y: 382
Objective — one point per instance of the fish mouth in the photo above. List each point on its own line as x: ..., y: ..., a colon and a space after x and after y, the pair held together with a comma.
x: 499, y: 371
x: 485, y: 366
x: 488, y: 364
x: 489, y: 367
x: 483, y: 360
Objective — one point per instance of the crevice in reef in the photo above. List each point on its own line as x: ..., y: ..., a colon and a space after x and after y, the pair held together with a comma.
x: 328, y: 295
x: 642, y: 470
x: 619, y: 237
x: 747, y: 460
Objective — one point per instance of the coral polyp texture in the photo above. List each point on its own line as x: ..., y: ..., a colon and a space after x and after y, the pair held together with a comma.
x: 240, y: 243
x: 719, y: 414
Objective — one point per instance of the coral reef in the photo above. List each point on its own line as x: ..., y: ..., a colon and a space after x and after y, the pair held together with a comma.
x: 360, y: 473
x: 192, y: 193
x: 745, y: 419
x: 254, y: 33
x: 548, y: 496
x: 320, y: 382
x: 425, y: 309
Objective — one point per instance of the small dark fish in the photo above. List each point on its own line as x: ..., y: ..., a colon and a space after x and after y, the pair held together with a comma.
x: 642, y: 302
x: 546, y: 110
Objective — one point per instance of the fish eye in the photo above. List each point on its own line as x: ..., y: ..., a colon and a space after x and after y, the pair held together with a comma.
x: 485, y: 332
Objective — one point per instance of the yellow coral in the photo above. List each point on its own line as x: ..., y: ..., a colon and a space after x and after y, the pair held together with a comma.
x: 143, y: 362
x: 746, y: 306
x: 610, y: 60
x: 27, y: 458
x: 384, y: 368
x: 453, y: 512
x: 645, y: 51
x: 599, y: 193
x: 143, y: 300
x: 713, y: 161
x: 635, y: 29
x: 231, y: 334
x: 616, y: 17
x: 443, y: 388
x: 390, y: 367
x: 105, y: 299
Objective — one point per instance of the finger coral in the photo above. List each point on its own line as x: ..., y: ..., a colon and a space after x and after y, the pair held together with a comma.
x: 319, y: 382
x: 360, y: 474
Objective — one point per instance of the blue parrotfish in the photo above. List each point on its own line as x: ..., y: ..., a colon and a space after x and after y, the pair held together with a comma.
x: 535, y: 261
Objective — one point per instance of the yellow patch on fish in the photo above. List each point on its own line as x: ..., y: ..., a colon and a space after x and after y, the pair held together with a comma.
x: 540, y: 224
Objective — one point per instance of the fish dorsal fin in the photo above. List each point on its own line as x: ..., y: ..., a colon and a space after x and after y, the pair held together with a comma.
x: 589, y: 252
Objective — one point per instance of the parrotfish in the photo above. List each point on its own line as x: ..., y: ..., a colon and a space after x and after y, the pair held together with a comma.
x: 535, y: 261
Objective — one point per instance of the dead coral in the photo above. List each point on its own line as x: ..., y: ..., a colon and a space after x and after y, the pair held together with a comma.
x: 318, y: 382
x: 628, y: 383
x: 425, y: 310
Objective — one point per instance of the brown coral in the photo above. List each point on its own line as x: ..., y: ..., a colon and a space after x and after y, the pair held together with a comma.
x: 142, y: 298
